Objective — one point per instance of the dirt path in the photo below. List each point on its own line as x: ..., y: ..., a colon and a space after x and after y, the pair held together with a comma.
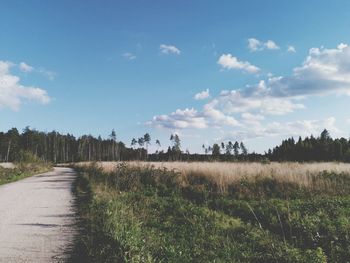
x: 37, y: 218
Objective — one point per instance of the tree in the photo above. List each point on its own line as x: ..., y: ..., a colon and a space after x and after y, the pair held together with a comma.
x: 176, y: 149
x: 204, y: 149
x: 141, y: 141
x: 236, y: 149
x: 216, y: 150
x: 229, y: 148
x: 158, y: 145
x: 176, y: 142
x: 113, y: 137
x: 243, y: 149
x: 325, y: 135
x: 147, y: 140
x: 13, y: 140
x: 223, y: 146
x: 133, y: 142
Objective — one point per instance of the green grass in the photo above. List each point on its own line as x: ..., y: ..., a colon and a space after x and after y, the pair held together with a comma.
x: 22, y: 171
x: 27, y: 165
x: 147, y: 215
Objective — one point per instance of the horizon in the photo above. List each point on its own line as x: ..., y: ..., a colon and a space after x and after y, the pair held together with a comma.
x: 153, y: 148
x: 252, y: 72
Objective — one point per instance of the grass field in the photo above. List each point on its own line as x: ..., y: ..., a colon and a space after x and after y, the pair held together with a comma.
x: 215, y: 212
x: 10, y: 172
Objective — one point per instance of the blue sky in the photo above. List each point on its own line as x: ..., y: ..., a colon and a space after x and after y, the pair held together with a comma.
x: 261, y: 70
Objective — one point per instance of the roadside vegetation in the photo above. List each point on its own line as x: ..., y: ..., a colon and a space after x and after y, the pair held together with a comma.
x: 27, y: 165
x: 142, y: 213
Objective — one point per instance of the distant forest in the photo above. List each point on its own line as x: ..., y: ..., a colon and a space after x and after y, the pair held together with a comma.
x: 61, y: 148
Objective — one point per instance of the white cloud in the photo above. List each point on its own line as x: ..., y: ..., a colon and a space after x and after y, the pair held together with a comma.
x: 12, y: 93
x: 47, y: 73
x: 256, y: 99
x: 217, y: 117
x: 254, y: 44
x: 202, y: 95
x: 271, y: 45
x: 257, y: 45
x: 301, y: 128
x: 180, y: 119
x: 169, y: 49
x: 252, y: 118
x: 191, y: 118
x: 245, y: 113
x: 284, y: 129
x: 129, y: 56
x: 25, y: 67
x: 324, y: 72
x: 291, y: 49
x: 227, y: 61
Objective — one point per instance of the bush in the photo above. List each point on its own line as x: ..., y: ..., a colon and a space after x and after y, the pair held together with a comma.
x: 143, y: 214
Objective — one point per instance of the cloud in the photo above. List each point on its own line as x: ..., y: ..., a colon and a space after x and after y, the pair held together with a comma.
x: 227, y: 61
x: 252, y: 118
x: 271, y: 45
x: 291, y: 49
x: 25, y: 67
x: 255, y: 99
x: 254, y: 44
x: 257, y: 45
x: 202, y: 95
x: 129, y: 56
x: 191, y: 118
x: 47, y: 73
x: 180, y: 119
x: 12, y: 93
x: 284, y: 129
x: 324, y: 72
x: 246, y: 113
x: 169, y: 49
x: 217, y: 117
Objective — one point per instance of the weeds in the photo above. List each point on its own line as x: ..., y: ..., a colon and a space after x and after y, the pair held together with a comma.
x: 28, y: 166
x: 148, y: 214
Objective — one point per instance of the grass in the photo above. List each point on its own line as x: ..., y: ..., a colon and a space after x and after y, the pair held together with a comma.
x: 288, y: 179
x: 141, y: 213
x: 11, y: 173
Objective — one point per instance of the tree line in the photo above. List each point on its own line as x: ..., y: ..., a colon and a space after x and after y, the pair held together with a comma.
x: 321, y: 148
x: 61, y: 148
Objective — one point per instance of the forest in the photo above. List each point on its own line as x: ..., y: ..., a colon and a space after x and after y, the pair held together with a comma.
x: 63, y: 148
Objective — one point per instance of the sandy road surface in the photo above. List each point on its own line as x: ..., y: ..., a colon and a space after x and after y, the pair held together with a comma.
x: 37, y: 218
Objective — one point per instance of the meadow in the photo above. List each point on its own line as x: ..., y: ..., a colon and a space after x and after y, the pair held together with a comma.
x: 224, y: 174
x: 28, y: 166
x: 214, y: 212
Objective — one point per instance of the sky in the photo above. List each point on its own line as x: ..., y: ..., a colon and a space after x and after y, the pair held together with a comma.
x: 210, y: 71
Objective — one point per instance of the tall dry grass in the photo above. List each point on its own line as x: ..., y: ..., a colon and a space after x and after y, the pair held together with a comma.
x: 224, y: 174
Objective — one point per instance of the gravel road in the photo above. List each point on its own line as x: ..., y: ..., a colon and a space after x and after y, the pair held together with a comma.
x: 37, y: 218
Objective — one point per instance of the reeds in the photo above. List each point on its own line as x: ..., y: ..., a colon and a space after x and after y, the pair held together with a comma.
x: 224, y: 174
